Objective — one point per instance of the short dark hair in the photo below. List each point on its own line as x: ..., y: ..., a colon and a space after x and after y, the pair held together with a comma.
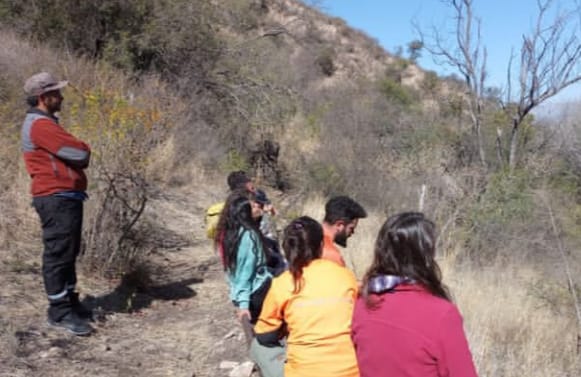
x: 32, y: 101
x: 237, y: 179
x: 343, y: 208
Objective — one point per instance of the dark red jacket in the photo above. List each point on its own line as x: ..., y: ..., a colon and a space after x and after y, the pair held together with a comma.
x: 54, y: 158
x: 411, y: 334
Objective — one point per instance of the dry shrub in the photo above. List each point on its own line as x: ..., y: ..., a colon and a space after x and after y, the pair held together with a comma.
x: 355, y: 140
x: 18, y: 223
x: 123, y: 123
x: 511, y: 332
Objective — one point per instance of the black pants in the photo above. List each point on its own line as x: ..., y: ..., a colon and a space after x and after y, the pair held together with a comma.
x: 62, y: 223
x: 256, y: 299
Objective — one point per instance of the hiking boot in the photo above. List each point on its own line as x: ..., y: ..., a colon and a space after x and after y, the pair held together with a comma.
x: 73, y: 323
x: 78, y: 307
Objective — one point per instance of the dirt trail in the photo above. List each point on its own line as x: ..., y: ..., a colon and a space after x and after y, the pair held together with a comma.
x: 178, y: 324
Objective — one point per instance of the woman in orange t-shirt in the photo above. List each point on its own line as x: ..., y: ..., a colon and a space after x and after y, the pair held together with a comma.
x: 312, y: 303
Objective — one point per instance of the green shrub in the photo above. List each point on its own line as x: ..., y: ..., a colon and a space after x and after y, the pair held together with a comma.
x: 168, y: 36
x: 325, y: 178
x: 83, y: 26
x: 453, y: 106
x: 422, y: 138
x: 564, y: 179
x: 234, y: 160
x: 500, y: 222
x: 395, y: 92
x: 395, y: 70
x: 506, y: 199
x: 431, y: 82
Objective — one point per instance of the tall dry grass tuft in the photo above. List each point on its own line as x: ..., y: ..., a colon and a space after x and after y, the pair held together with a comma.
x: 18, y: 223
x: 512, y: 331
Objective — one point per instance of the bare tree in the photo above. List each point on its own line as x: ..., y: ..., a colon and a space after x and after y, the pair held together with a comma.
x: 468, y: 56
x: 550, y: 61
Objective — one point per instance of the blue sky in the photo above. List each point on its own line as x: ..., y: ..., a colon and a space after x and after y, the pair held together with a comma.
x: 503, y: 24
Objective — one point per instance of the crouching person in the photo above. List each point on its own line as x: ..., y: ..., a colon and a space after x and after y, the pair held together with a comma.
x: 311, y: 306
x: 405, y: 324
x: 241, y: 246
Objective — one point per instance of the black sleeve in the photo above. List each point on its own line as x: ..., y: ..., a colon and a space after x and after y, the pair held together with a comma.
x: 269, y: 339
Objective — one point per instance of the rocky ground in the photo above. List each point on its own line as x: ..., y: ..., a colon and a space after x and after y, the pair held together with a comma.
x: 179, y: 323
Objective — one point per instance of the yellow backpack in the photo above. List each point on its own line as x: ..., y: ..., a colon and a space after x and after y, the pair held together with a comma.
x: 212, y: 217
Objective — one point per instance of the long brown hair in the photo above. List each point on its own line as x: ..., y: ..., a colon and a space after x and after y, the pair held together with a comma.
x: 302, y: 242
x: 405, y: 247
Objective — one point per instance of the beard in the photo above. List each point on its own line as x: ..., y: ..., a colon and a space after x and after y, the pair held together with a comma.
x: 53, y: 103
x: 54, y: 107
x: 341, y: 239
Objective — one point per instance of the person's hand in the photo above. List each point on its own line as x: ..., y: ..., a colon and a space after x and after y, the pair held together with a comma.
x: 269, y: 208
x: 241, y: 313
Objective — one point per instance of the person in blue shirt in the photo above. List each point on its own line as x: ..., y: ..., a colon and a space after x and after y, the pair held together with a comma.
x: 244, y: 254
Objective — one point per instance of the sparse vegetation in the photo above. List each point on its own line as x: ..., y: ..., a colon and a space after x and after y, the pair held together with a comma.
x: 182, y: 92
x: 395, y: 92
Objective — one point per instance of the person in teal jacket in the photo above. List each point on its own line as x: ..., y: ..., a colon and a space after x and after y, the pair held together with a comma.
x: 243, y: 254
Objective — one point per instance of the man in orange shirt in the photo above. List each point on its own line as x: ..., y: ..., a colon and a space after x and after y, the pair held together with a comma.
x: 341, y: 217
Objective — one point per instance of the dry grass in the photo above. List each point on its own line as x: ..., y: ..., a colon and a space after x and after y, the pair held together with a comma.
x: 512, y: 332
x: 519, y: 322
x: 8, y: 340
x: 19, y: 226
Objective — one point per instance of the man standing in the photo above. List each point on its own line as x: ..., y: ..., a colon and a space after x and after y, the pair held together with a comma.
x: 341, y: 217
x: 55, y: 161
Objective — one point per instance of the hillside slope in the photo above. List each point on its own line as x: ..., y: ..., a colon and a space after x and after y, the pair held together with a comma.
x: 172, y: 95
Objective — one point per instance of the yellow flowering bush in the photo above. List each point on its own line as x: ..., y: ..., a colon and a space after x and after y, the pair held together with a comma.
x: 121, y: 131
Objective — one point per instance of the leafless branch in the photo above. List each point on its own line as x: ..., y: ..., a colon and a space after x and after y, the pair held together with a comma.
x: 468, y: 56
x: 550, y: 59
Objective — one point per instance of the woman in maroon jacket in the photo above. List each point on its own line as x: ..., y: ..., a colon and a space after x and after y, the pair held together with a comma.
x: 404, y: 323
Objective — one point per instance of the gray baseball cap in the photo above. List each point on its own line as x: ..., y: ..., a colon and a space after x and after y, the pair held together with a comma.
x: 41, y: 83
